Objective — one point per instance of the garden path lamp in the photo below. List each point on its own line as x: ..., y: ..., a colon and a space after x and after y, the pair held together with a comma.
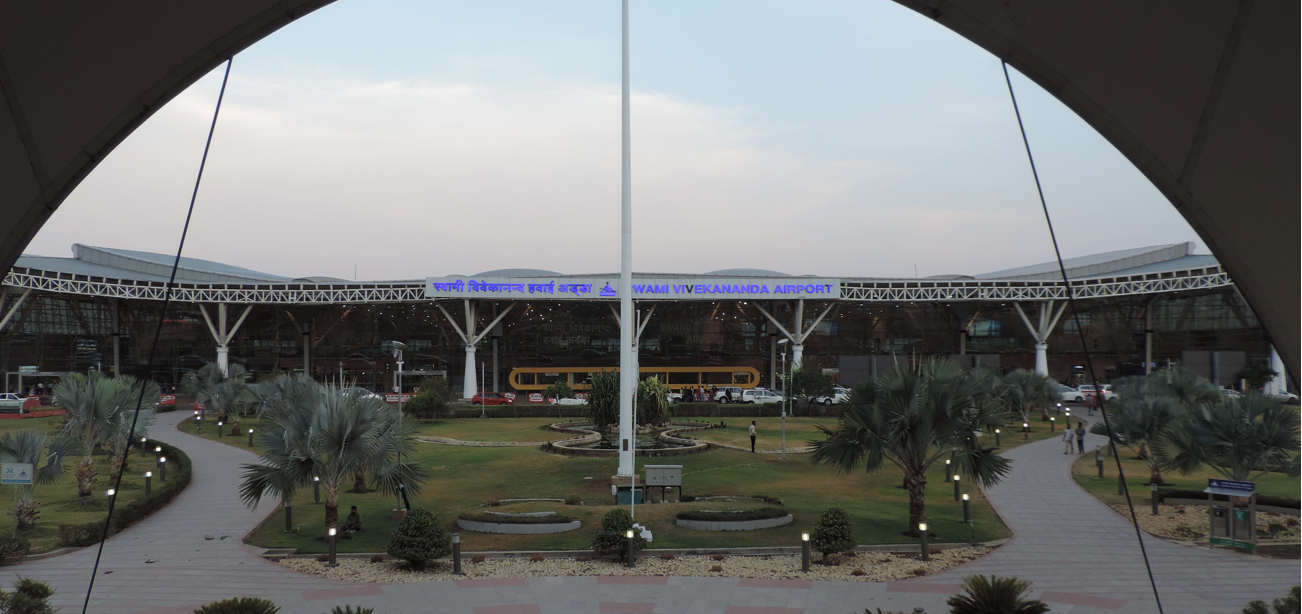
x: 1098, y: 460
x: 162, y: 469
x: 1153, y: 488
x: 456, y: 553
x: 1053, y: 424
x: 158, y: 453
x: 804, y: 552
x: 957, y: 487
x: 316, y: 489
x: 629, y: 549
x: 219, y: 430
x: 926, y: 554
x: 996, y: 438
x: 111, y: 494
x: 198, y: 425
x: 250, y: 438
x: 948, y: 471
x: 331, y: 533
x: 143, y: 451
x: 1026, y: 430
x: 967, y: 510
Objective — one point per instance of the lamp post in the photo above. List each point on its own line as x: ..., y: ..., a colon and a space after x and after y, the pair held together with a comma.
x: 398, y: 348
x: 1053, y: 424
x: 331, y: 533
x: 967, y: 510
x: 198, y: 425
x: 629, y: 550
x: 162, y: 469
x: 786, y: 378
x: 996, y: 438
x: 111, y: 494
x: 926, y: 551
x: 1098, y: 460
x: 456, y: 553
x: 143, y: 451
x: 219, y: 430
x: 158, y: 453
x: 1153, y: 488
x: 949, y: 473
x: 316, y: 489
x: 1026, y: 430
x: 957, y: 486
x: 804, y: 552
x: 149, y: 479
x: 250, y: 438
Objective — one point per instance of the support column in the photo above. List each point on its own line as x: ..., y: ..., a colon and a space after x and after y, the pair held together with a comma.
x: 469, y: 340
x: 1278, y: 384
x: 1148, y: 339
x: 1040, y: 332
x: 495, y: 368
x: 117, y: 336
x: 222, y: 336
x: 627, y: 326
x: 471, y: 381
x: 773, y: 361
x: 798, y: 337
x: 307, y: 349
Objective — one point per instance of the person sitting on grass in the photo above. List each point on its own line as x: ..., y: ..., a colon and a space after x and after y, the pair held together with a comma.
x: 353, y: 523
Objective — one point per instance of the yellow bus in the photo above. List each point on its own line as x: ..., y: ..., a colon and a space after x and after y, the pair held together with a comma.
x: 580, y: 378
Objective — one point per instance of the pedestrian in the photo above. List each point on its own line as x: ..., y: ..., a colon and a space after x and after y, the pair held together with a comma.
x: 728, y: 393
x: 1080, y: 437
x: 1067, y: 437
x: 752, y: 436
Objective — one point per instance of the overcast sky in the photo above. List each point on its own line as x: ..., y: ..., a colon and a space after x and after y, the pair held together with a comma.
x: 405, y: 139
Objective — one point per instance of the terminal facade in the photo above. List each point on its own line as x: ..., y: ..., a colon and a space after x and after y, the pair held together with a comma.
x: 1139, y: 309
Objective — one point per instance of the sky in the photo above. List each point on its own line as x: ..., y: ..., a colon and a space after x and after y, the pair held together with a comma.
x: 393, y: 139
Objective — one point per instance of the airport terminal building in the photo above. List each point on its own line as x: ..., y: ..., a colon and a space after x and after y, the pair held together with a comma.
x: 519, y: 329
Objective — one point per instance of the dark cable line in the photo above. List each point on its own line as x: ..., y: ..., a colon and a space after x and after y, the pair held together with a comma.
x: 1080, y: 330
x: 158, y: 332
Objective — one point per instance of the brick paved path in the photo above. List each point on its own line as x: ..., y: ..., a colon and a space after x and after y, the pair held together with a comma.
x: 1080, y: 555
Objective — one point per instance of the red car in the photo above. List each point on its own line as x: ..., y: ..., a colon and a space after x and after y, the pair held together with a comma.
x: 492, y: 398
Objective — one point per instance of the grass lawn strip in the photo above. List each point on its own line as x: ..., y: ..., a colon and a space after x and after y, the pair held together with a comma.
x: 875, y: 567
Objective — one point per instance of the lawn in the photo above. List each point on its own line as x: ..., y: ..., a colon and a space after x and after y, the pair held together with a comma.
x: 1085, y: 472
x: 58, y: 501
x: 463, y: 478
x: 496, y: 429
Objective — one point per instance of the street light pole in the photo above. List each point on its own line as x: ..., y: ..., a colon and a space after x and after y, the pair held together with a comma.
x: 398, y: 347
x: 786, y: 378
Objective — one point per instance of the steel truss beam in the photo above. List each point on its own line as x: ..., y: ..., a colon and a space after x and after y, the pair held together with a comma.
x: 862, y: 290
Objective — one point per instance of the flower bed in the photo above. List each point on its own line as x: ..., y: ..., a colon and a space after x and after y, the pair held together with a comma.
x: 763, y: 513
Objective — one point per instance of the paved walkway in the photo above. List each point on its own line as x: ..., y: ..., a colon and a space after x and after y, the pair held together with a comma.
x: 1081, y: 557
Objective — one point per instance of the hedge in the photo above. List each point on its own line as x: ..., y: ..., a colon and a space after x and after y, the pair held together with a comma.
x: 763, y: 513
x: 1176, y: 493
x: 179, y: 474
x: 502, y: 519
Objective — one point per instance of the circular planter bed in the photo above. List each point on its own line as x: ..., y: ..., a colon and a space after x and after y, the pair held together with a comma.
x: 529, y: 523
x: 742, y: 520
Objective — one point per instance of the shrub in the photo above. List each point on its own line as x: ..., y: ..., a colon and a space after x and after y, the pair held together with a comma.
x: 426, y: 404
x: 763, y: 513
x: 323, y: 558
x: 833, y: 532
x: 667, y: 556
x: 478, y: 558
x: 419, y: 539
x: 573, y: 500
x: 29, y: 597
x: 983, y: 595
x: 13, y: 549
x: 239, y: 605
x: 178, y: 478
x: 537, y: 558
x: 504, y: 519
x: 377, y: 558
x: 1290, y: 603
x: 611, y: 540
x: 603, y: 399
x: 686, y: 498
x: 347, y: 609
x: 717, y: 557
x: 437, y: 385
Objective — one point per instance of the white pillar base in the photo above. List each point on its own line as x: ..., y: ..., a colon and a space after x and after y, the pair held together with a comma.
x: 1042, y: 358
x: 1277, y: 385
x: 797, y: 353
x: 223, y: 359
x: 470, y: 385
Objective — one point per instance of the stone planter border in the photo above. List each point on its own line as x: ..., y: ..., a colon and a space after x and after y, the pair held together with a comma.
x: 570, y: 447
x: 518, y: 529
x: 743, y: 525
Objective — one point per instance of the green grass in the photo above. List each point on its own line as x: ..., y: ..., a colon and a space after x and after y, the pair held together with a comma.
x: 462, y: 478
x: 1085, y: 472
x: 497, y: 429
x: 58, y: 501
x: 208, y: 430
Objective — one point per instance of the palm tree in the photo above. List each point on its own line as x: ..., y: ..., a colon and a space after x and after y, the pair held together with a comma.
x: 1024, y: 389
x: 1233, y: 438
x: 652, y: 401
x: 1189, y: 388
x: 28, y: 447
x: 226, y: 394
x: 911, y: 420
x: 1139, y: 417
x: 102, y: 411
x: 995, y: 595
x: 323, y: 432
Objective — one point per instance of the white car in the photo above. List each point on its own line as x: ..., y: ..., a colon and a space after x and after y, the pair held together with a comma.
x: 1287, y: 397
x: 1078, y: 393
x: 760, y: 395
x: 721, y: 394
x: 839, y: 395
x: 10, y: 402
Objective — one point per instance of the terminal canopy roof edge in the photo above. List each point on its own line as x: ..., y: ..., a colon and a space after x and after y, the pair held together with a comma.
x: 1204, y: 105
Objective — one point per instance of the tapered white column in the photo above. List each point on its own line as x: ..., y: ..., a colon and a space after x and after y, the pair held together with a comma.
x: 627, y: 322
x: 470, y: 383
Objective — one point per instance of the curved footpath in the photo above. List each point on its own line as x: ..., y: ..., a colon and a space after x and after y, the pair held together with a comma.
x: 1081, y: 557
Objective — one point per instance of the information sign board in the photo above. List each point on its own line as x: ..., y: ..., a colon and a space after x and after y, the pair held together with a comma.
x: 16, y: 473
x: 1230, y: 488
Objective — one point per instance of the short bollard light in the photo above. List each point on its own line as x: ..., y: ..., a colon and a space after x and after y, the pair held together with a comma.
x: 316, y: 489
x: 162, y: 469
x: 967, y: 510
x: 1153, y: 488
x: 250, y: 438
x: 1026, y: 430
x: 332, y: 562
x: 149, y: 483
x: 289, y: 517
x: 456, y: 553
x: 219, y: 430
x: 1060, y: 409
x: 949, y: 471
x: 1098, y: 460
x: 110, y: 493
x: 1068, y: 414
x: 957, y: 485
x: 804, y: 552
x: 996, y: 438
x: 926, y: 551
x: 629, y: 548
x: 158, y: 453
x: 143, y: 451
x: 197, y: 424
x: 1053, y: 424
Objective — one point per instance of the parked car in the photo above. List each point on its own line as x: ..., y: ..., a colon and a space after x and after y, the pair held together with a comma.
x: 12, y: 403
x: 760, y: 395
x: 491, y: 398
x: 721, y: 394
x: 361, y: 392
x: 1230, y: 393
x: 1079, y: 393
x: 1287, y: 397
x: 839, y: 395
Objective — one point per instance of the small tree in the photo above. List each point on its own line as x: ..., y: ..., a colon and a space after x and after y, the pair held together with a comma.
x: 603, y: 399
x: 419, y: 539
x: 426, y: 404
x: 1257, y: 375
x: 808, y: 383
x: 29, y: 597
x: 1025, y: 389
x: 437, y: 385
x: 833, y: 532
x: 652, y: 401
x: 30, y: 447
x: 612, y: 539
x: 995, y: 595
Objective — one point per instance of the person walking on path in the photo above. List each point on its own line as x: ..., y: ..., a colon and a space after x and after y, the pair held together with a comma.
x: 1067, y: 436
x: 1080, y: 437
x: 752, y: 436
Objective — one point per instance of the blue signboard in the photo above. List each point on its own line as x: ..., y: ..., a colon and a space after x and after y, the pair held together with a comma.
x: 1230, y: 488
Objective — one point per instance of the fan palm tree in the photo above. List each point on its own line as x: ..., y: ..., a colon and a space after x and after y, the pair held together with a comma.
x: 911, y: 420
x: 102, y: 411
x: 286, y: 441
x: 226, y: 394
x: 1189, y: 388
x: 1235, y: 438
x: 29, y: 447
x: 1139, y: 417
x: 321, y: 431
x: 1025, y: 389
x: 995, y: 595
